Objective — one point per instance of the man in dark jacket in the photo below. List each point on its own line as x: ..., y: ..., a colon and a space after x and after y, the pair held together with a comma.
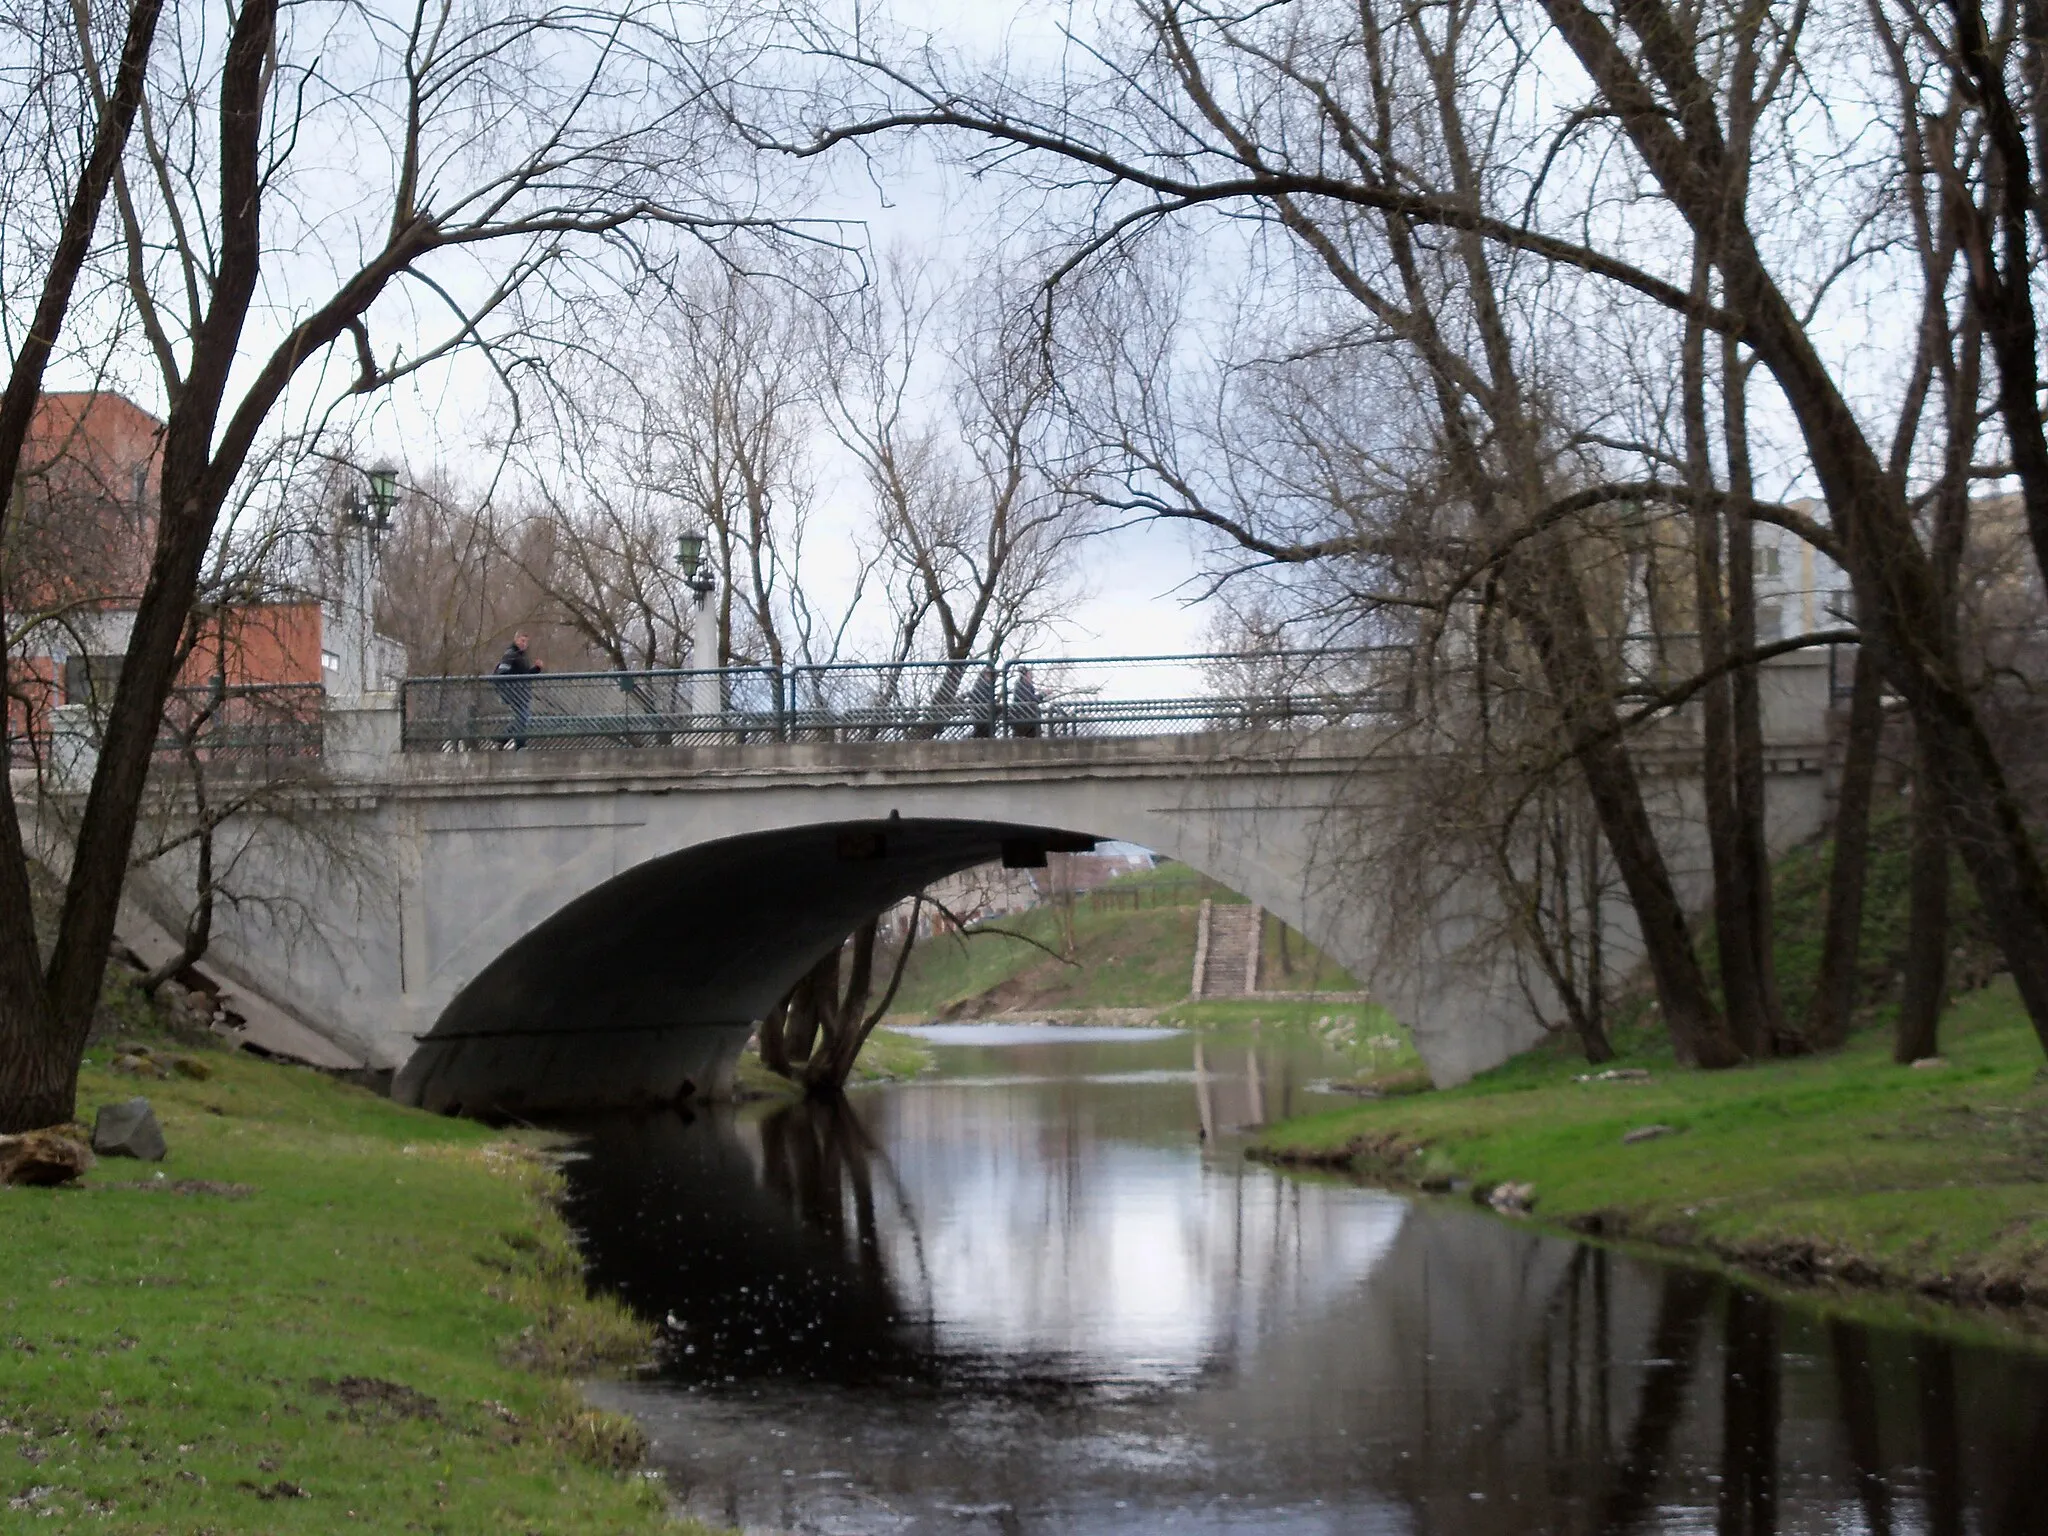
x: 1024, y: 704
x: 511, y: 672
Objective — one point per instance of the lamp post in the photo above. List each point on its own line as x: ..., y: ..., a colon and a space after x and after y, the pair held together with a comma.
x: 383, y: 480
x: 365, y: 519
x: 706, y: 696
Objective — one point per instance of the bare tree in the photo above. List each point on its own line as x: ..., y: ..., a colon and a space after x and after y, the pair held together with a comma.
x: 815, y: 1034
x: 731, y: 380
x: 1303, y: 119
x: 977, y: 525
x: 456, y: 580
x: 508, y: 153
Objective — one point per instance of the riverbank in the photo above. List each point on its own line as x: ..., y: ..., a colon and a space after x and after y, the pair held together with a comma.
x: 322, y: 1312
x: 1843, y: 1168
x: 886, y: 1057
x: 1126, y: 947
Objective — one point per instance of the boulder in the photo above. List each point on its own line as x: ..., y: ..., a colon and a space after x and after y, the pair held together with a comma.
x: 140, y: 1066
x: 53, y: 1156
x: 192, y: 1067
x: 128, y: 1130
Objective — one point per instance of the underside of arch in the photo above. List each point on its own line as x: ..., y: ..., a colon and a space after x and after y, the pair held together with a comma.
x: 642, y: 990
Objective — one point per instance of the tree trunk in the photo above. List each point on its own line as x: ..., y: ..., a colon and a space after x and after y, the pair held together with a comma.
x: 1699, y: 1035
x: 774, y: 1049
x: 38, y: 1055
x: 1543, y: 589
x: 1925, y: 993
x: 1590, y: 887
x: 1752, y: 863
x: 1896, y: 592
x: 1732, y: 942
x: 810, y: 1002
x: 1834, y: 996
x: 841, y: 1015
x: 38, y: 1079
x: 194, y: 485
x: 1918, y: 1030
x: 1552, y: 612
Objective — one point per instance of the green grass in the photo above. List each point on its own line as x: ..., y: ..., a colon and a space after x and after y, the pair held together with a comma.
x: 1799, y: 906
x: 1121, y: 959
x: 1127, y: 953
x: 177, y: 1359
x: 1848, y: 1164
x: 886, y: 1057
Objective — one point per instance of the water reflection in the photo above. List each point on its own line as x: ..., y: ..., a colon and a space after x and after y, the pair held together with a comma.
x: 1023, y: 1298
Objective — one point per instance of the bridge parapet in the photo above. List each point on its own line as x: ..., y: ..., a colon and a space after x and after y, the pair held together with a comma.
x: 907, y: 701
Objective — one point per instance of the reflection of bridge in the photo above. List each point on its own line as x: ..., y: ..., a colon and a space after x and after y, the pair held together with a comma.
x: 603, y: 923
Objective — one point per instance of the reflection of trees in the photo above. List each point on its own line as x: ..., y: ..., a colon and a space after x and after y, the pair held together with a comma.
x: 1674, y: 1348
x: 1750, y: 1410
x: 1935, y: 1381
x: 1850, y: 1345
x: 752, y: 1271
x: 818, y: 1157
x: 1577, y: 1389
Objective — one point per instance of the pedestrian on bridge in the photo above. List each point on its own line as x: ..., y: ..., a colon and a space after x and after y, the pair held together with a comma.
x: 981, y: 703
x: 511, y: 673
x: 1024, y: 705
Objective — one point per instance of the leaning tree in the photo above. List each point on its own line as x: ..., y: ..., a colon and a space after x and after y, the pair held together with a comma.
x: 309, y: 204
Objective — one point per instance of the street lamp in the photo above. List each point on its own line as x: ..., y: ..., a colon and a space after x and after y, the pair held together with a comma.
x: 383, y: 480
x: 690, y: 556
x: 706, y: 689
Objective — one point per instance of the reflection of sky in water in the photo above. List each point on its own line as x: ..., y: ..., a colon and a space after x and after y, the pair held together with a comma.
x: 1137, y: 1260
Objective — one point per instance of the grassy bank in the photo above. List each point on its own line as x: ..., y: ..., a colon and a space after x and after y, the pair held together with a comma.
x: 323, y: 1312
x: 887, y: 1057
x: 1845, y: 1166
x: 1129, y: 945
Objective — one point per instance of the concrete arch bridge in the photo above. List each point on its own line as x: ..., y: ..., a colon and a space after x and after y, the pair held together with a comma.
x: 541, y: 930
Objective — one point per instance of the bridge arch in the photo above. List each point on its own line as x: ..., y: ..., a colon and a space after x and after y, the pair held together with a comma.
x: 643, y: 987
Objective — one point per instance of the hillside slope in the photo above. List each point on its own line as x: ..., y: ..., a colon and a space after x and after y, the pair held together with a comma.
x: 1131, y: 945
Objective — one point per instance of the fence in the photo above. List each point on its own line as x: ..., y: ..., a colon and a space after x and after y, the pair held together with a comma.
x: 906, y: 701
x: 210, y: 723
x: 584, y: 711
x: 264, y: 722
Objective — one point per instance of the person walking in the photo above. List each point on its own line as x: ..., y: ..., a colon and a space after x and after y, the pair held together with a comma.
x: 1024, y: 706
x: 981, y: 703
x: 511, y: 676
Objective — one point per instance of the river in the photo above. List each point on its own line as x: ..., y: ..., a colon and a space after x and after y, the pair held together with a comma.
x: 1041, y: 1290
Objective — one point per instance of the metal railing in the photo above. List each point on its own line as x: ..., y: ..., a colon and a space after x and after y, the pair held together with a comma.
x: 590, y: 711
x: 907, y: 701
x: 257, y: 722
x: 209, y: 723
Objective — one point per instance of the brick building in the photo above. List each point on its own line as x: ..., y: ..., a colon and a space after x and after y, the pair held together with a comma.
x: 81, y: 529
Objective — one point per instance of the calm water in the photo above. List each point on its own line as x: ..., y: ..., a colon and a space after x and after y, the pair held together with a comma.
x: 1042, y: 1291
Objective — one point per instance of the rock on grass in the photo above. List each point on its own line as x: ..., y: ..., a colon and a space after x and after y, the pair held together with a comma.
x: 128, y: 1129
x: 46, y: 1157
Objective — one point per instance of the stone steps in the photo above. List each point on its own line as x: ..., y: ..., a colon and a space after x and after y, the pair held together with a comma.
x: 1227, y: 950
